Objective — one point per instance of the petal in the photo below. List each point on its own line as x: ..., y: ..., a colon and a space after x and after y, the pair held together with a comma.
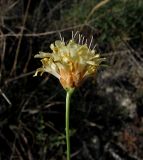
x: 39, y: 70
x: 52, y: 46
x: 52, y: 71
x: 42, y: 55
x: 91, y: 62
x: 59, y: 43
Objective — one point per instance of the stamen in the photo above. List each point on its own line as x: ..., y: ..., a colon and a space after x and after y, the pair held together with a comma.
x: 63, y: 39
x: 60, y: 36
x: 94, y: 46
x: 86, y: 41
x: 75, y: 34
x: 79, y: 38
x: 82, y: 41
x: 90, y: 42
x: 72, y: 35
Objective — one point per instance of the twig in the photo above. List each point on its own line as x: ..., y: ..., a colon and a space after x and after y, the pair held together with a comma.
x: 40, y: 34
x: 3, y: 46
x: 20, y: 76
x: 29, y: 56
x: 5, y: 97
x: 20, y: 39
x: 96, y: 7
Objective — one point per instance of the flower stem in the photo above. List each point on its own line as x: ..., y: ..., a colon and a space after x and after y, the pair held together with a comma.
x: 68, y: 98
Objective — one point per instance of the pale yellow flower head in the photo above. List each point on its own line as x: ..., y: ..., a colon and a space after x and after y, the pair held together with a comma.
x: 70, y: 62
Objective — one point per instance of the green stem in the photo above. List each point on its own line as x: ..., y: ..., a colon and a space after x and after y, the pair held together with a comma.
x: 68, y: 98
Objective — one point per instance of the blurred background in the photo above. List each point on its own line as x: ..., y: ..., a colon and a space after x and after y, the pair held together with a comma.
x: 106, y: 112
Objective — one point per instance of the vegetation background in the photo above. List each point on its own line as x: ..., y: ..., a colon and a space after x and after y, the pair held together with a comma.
x: 106, y: 112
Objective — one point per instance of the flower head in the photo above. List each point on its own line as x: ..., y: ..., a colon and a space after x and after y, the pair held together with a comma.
x: 71, y: 63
